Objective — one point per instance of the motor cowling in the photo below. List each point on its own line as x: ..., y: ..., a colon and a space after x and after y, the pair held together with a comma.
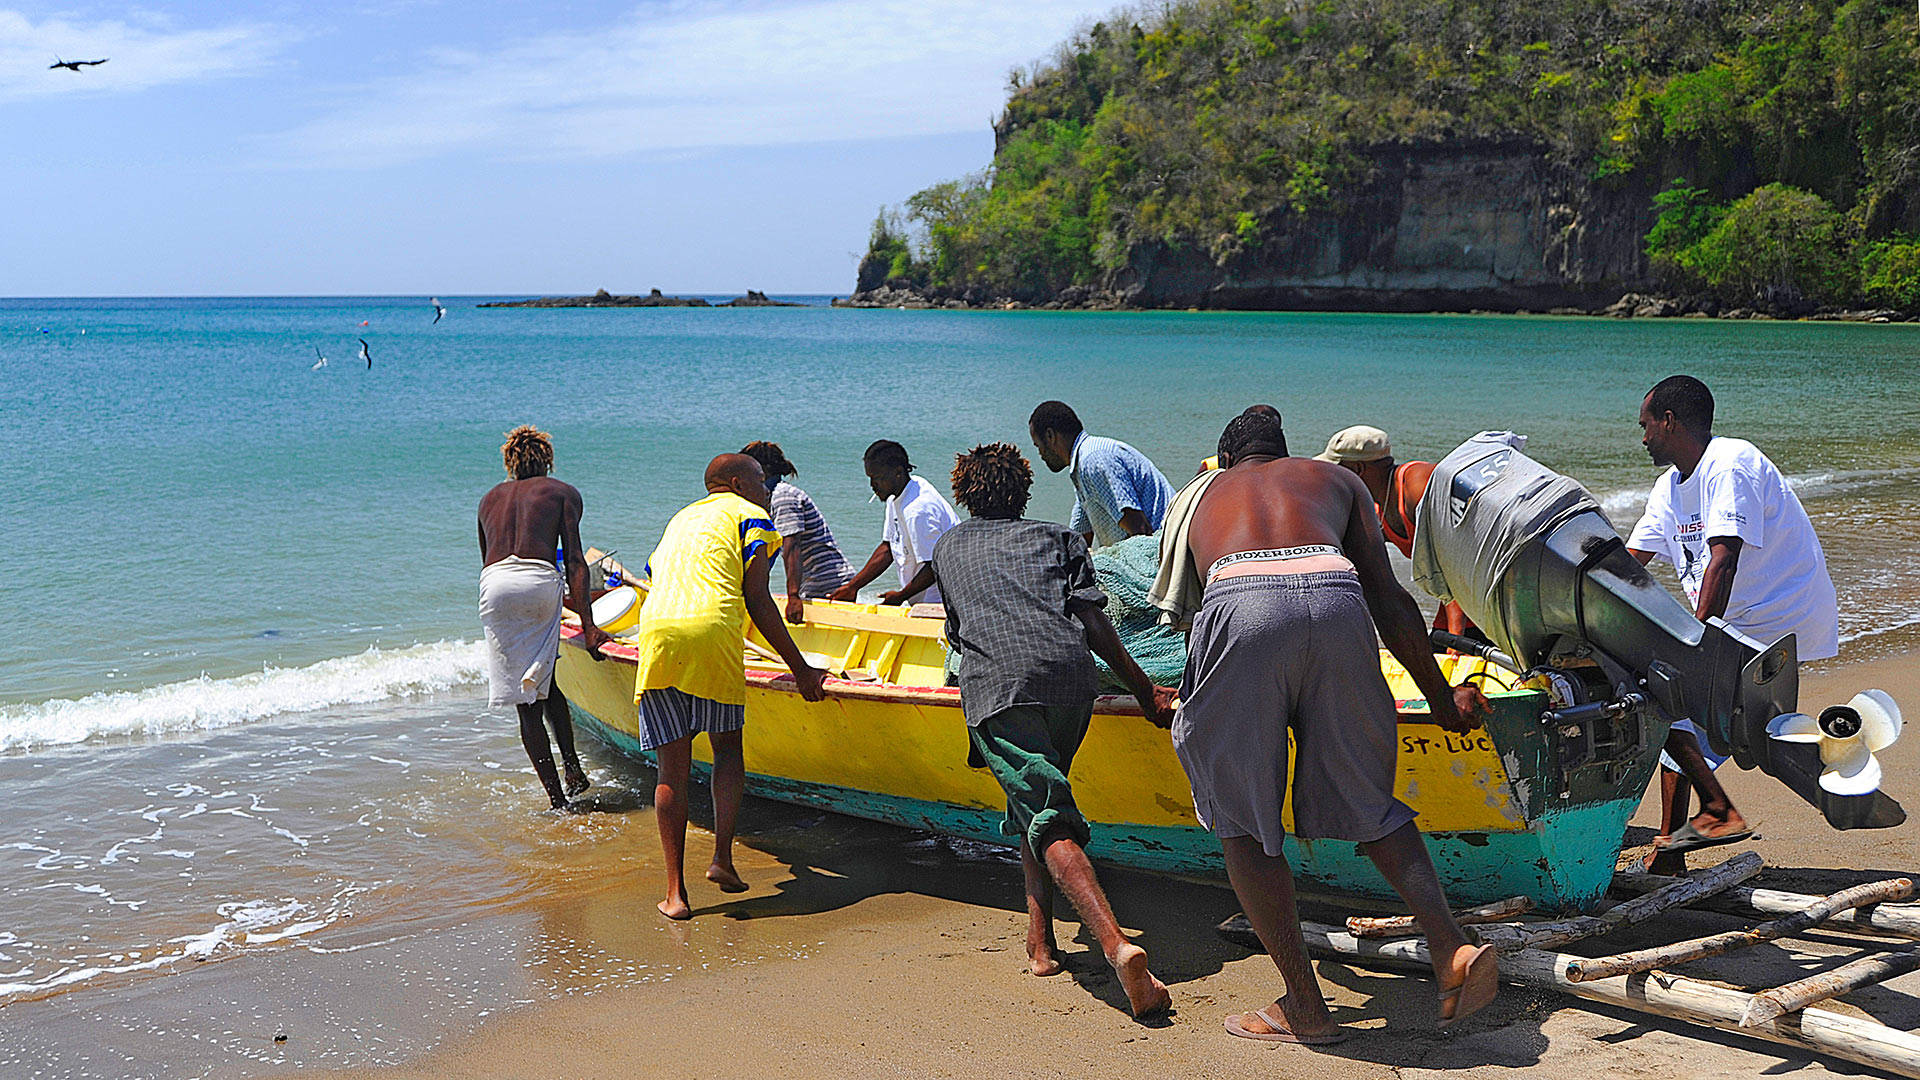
x: 1532, y: 560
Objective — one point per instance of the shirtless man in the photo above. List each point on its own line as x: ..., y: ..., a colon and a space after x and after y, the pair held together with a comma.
x: 522, y: 522
x: 1284, y: 639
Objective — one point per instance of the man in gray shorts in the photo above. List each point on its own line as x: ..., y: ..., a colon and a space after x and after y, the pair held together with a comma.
x: 1284, y: 639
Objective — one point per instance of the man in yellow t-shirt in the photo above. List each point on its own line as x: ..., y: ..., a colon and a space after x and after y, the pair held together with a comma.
x: 708, y: 575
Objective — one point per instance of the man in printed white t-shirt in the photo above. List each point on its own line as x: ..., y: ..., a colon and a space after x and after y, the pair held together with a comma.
x: 1745, y: 551
x: 917, y: 516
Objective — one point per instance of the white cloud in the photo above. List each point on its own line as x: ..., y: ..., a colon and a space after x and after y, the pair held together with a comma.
x: 699, y: 73
x: 138, y: 56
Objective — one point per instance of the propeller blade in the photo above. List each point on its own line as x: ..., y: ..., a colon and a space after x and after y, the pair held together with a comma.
x: 1880, y: 722
x: 1794, y: 727
x: 1855, y: 772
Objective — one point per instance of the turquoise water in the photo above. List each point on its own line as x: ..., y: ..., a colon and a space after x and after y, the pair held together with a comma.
x: 186, y: 496
x: 240, y: 708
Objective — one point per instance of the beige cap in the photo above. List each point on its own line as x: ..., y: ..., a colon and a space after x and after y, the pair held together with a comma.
x: 1357, y: 443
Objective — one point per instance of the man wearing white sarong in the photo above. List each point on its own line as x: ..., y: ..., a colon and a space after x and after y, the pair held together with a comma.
x: 523, y: 521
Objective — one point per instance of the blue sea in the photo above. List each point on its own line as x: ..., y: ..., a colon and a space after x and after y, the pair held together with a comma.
x: 239, y: 688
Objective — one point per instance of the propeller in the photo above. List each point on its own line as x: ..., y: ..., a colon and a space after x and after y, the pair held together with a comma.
x: 1849, y: 736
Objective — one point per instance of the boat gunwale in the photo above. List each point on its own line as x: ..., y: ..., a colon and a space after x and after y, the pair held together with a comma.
x: 782, y: 681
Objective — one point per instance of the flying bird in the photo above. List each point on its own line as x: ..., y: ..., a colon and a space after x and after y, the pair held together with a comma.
x: 437, y: 310
x: 73, y: 65
x: 320, y: 363
x: 364, y: 354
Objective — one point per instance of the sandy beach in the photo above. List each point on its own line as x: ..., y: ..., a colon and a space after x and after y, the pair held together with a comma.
x: 832, y: 966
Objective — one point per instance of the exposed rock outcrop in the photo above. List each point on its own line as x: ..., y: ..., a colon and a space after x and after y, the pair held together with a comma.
x: 757, y: 299
x: 603, y: 298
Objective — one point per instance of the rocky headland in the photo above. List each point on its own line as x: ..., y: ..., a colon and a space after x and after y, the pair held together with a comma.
x: 1549, y: 156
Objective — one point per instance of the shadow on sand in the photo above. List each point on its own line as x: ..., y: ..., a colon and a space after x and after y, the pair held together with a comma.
x: 836, y: 862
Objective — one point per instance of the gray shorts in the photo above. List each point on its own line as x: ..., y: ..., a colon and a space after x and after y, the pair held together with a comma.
x: 1298, y: 651
x: 669, y: 715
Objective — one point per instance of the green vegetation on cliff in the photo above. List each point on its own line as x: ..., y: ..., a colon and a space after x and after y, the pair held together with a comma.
x: 1198, y: 125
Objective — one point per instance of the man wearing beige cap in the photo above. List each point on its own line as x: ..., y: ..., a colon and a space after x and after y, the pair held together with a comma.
x: 1396, y: 489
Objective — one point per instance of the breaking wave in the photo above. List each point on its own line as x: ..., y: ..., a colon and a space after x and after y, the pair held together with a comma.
x: 1624, y: 506
x: 206, y: 703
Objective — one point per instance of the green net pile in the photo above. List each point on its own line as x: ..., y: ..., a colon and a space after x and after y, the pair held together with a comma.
x: 1125, y: 572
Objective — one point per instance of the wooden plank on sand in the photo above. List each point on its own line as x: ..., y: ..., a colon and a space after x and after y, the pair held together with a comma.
x: 1606, y: 967
x: 1683, y: 891
x: 1767, y: 1005
x: 1896, y: 920
x: 1849, y: 1038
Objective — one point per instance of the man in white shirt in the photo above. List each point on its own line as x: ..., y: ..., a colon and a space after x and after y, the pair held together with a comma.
x: 916, y: 517
x: 1745, y: 551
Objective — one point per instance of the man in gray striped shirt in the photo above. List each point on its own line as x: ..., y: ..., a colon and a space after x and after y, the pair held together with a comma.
x: 813, y: 562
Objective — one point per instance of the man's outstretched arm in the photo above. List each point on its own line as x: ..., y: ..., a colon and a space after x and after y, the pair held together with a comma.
x: 877, y: 564
x: 923, y: 579
x: 590, y: 635
x: 1716, y: 581
x: 1155, y: 701
x: 1397, y: 616
x: 766, y: 617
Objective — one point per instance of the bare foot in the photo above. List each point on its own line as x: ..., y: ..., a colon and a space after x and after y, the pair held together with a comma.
x: 1471, y: 984
x: 1043, y: 961
x: 675, y: 908
x: 1146, y: 995
x: 726, y: 878
x: 577, y: 781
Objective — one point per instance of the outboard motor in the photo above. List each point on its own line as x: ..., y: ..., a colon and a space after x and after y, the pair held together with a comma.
x: 1530, y: 558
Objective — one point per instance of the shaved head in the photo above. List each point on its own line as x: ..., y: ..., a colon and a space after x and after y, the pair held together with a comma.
x: 727, y: 470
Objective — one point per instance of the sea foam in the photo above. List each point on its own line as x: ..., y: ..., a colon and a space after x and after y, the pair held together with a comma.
x: 206, y: 703
x: 1624, y: 506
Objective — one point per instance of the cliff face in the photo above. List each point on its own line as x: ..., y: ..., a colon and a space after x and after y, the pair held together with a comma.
x: 1488, y: 224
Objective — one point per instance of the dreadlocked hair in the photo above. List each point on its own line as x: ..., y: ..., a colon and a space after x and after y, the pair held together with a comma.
x: 527, y: 452
x: 773, y: 461
x: 992, y: 480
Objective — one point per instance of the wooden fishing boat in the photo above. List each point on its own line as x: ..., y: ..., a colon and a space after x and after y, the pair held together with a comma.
x: 1513, y: 809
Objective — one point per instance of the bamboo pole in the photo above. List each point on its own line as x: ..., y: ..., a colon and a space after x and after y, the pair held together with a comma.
x: 1896, y: 920
x: 1768, y: 1005
x: 1838, y: 1035
x: 1684, y: 891
x: 1384, y: 926
x: 1581, y: 969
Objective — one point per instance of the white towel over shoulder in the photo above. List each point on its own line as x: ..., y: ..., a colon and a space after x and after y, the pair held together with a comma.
x: 520, y: 612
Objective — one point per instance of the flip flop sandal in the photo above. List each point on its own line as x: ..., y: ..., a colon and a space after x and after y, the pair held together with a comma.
x: 1278, y: 1032
x: 1477, y: 990
x: 1689, y: 838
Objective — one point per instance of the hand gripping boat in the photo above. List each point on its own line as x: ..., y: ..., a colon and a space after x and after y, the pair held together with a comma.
x: 1535, y: 804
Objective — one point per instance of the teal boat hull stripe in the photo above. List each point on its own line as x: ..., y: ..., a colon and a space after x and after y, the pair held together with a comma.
x: 1566, y: 860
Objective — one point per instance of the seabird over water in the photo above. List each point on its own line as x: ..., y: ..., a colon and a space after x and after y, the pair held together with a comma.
x: 437, y: 309
x: 320, y: 363
x: 73, y: 65
x: 364, y: 354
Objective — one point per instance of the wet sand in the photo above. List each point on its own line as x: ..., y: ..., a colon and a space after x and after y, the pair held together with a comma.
x: 918, y: 970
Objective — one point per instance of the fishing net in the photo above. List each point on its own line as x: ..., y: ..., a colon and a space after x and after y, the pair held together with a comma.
x: 1125, y: 572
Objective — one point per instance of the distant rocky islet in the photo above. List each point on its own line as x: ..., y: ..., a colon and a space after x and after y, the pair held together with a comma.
x: 603, y: 298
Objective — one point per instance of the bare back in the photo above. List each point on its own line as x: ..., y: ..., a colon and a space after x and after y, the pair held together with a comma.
x: 1266, y: 503
x: 530, y: 518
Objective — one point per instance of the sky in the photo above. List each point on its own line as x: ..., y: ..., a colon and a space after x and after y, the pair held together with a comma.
x: 423, y: 147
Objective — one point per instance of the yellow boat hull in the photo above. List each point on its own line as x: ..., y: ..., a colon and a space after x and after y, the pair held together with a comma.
x: 889, y: 743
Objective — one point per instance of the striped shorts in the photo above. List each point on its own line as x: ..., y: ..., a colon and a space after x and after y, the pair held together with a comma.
x: 670, y: 715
